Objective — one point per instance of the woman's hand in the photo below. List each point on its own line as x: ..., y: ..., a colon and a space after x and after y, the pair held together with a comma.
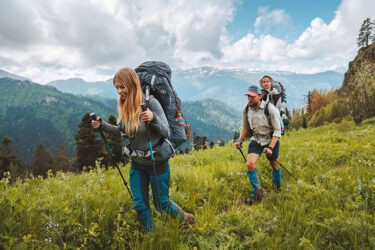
x: 147, y: 116
x: 96, y: 123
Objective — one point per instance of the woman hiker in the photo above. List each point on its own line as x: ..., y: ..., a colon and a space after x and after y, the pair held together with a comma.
x: 132, y: 124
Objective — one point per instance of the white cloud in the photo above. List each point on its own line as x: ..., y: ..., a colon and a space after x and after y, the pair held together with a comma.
x: 51, y: 39
x: 322, y: 46
x: 251, y: 49
x: 100, y: 34
x: 337, y: 39
x: 268, y: 19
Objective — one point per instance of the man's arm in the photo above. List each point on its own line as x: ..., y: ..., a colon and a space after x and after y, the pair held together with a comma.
x: 245, y: 128
x: 243, y: 134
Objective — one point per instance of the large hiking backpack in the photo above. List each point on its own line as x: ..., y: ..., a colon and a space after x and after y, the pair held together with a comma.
x: 157, y: 75
x: 279, y: 101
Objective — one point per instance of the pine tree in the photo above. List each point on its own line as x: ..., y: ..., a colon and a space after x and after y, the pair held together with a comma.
x: 61, y: 159
x: 365, y: 33
x: 200, y: 142
x: 236, y: 135
x: 373, y: 32
x: 43, y: 161
x: 221, y: 143
x: 115, y: 143
x: 205, y: 142
x: 88, y: 147
x: 309, y: 111
x: 9, y: 162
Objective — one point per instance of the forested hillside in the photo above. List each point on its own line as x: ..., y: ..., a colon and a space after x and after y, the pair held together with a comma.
x: 32, y: 114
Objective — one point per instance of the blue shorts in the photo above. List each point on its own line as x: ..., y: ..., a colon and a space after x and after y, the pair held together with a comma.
x: 256, y: 148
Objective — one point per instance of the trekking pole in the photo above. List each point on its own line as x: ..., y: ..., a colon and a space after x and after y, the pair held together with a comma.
x: 144, y: 108
x: 285, y: 169
x: 275, y: 161
x: 94, y: 117
x: 242, y: 154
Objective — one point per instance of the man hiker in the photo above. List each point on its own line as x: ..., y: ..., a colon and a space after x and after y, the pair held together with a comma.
x: 261, y: 119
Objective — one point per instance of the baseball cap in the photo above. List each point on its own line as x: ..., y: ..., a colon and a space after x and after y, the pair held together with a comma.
x: 253, y: 90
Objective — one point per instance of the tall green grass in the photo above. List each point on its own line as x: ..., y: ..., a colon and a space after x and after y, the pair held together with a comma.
x: 330, y: 206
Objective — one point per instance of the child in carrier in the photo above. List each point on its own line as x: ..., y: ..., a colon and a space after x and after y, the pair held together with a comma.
x: 271, y: 92
x: 268, y: 89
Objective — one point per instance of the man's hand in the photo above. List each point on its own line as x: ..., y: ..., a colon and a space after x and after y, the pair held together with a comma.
x: 238, y: 143
x: 267, y: 151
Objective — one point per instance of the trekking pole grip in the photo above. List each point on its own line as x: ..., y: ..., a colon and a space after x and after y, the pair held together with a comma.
x: 94, y: 117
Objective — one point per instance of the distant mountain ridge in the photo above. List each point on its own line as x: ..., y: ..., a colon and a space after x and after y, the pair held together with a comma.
x: 32, y: 114
x: 227, y: 85
x: 5, y: 74
x: 78, y: 86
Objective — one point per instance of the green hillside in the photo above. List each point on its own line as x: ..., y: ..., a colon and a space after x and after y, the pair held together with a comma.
x: 32, y: 114
x: 331, y: 206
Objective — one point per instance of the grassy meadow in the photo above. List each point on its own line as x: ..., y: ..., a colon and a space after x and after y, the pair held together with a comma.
x: 332, y: 205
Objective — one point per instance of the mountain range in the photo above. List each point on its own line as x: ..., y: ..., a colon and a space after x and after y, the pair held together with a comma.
x: 227, y: 85
x: 32, y: 114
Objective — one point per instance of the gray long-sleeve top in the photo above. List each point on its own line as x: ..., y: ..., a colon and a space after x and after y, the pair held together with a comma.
x: 159, y: 129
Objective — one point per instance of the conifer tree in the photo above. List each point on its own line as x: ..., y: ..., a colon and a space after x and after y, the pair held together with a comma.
x: 236, y: 135
x: 221, y: 143
x: 43, y: 161
x: 115, y: 143
x: 61, y: 159
x: 9, y: 162
x: 373, y: 32
x: 200, y: 142
x: 365, y: 33
x: 88, y: 147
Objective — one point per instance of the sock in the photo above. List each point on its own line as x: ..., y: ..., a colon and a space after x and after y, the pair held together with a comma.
x: 254, y: 180
x: 276, y: 178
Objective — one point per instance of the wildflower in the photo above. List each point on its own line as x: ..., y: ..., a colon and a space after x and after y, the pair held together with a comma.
x: 359, y: 187
x: 101, y: 180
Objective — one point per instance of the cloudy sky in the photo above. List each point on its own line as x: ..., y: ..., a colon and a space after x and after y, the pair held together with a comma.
x: 46, y: 40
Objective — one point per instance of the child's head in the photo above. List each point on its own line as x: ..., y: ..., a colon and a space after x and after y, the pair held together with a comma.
x: 266, y: 82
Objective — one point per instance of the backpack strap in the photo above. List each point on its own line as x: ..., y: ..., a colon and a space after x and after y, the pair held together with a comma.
x: 153, y: 82
x: 267, y: 114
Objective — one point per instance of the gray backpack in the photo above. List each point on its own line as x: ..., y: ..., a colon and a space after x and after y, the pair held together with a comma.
x: 157, y: 76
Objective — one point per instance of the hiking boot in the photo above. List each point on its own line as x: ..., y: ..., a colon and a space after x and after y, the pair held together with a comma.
x: 189, y: 218
x: 258, y: 196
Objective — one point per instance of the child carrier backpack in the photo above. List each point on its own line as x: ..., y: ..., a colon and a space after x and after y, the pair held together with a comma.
x: 279, y: 101
x: 157, y: 75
